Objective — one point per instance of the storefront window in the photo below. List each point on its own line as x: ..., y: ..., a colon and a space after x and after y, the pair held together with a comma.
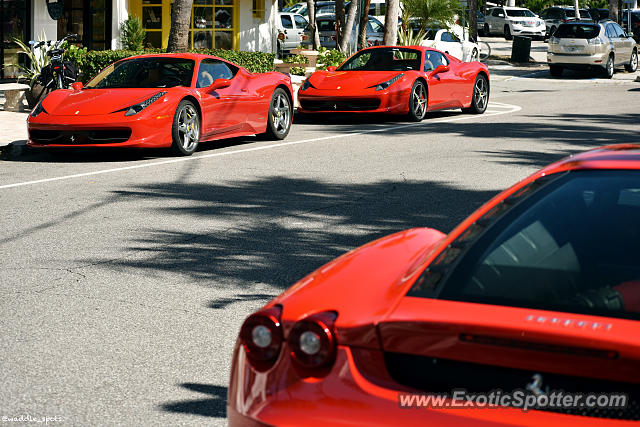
x: 212, y: 24
x: 152, y: 22
x: 14, y: 25
x: 90, y: 20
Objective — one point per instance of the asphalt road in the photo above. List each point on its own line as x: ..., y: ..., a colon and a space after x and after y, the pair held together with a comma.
x: 125, y: 275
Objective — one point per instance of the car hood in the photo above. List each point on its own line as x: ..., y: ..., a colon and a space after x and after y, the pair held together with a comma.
x: 325, y: 80
x: 88, y: 102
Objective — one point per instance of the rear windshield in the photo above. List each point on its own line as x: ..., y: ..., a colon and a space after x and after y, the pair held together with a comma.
x: 572, y: 245
x: 584, y: 14
x: 520, y: 12
x: 577, y: 31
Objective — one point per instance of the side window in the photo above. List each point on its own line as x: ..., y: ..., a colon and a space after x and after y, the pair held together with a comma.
x: 432, y: 59
x: 376, y: 26
x: 287, y: 23
x: 300, y: 21
x: 212, y: 69
x: 543, y: 15
x: 496, y: 12
x: 611, y: 33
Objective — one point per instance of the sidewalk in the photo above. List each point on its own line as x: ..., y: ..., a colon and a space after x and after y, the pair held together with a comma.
x: 13, y: 127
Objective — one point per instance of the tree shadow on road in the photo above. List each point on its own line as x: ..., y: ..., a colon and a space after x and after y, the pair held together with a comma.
x: 213, y: 406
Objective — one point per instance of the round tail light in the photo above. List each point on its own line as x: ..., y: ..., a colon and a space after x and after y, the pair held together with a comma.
x: 313, y: 343
x: 261, y: 337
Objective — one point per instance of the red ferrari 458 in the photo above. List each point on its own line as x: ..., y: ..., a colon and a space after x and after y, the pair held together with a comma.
x: 531, y: 306
x: 166, y: 100
x: 397, y: 80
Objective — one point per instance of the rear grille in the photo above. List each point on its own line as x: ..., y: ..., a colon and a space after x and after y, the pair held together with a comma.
x: 436, y: 375
x: 341, y: 105
x: 83, y: 137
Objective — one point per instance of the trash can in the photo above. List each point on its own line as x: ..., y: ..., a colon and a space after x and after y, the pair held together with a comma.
x: 520, y: 49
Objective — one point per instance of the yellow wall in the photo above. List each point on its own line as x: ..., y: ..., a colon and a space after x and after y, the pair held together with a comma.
x: 135, y: 7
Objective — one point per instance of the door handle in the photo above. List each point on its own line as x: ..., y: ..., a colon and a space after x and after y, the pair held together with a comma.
x: 244, y: 89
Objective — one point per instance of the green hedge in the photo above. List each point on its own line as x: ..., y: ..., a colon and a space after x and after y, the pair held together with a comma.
x: 90, y: 62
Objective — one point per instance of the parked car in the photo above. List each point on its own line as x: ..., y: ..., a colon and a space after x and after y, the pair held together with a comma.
x: 601, y: 47
x: 397, y: 80
x: 480, y: 23
x: 293, y: 31
x: 447, y: 41
x: 513, y: 21
x: 554, y: 16
x: 164, y: 100
x: 322, y: 8
x: 534, y: 293
x: 327, y: 31
x: 635, y: 23
x: 599, y: 14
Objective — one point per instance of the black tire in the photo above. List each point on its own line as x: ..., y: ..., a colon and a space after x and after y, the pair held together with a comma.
x: 480, y: 97
x: 185, y: 129
x: 555, y: 70
x: 507, y: 33
x: 279, y: 117
x: 609, y: 68
x: 475, y: 56
x: 486, y: 30
x: 418, y: 101
x: 632, y: 66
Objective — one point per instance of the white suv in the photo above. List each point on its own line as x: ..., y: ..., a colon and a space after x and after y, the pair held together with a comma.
x: 514, y: 21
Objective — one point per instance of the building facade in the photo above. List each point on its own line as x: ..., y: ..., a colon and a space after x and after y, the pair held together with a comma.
x: 228, y: 24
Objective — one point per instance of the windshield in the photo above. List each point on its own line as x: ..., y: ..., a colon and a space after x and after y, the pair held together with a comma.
x: 577, y: 31
x: 520, y: 13
x: 383, y: 59
x: 152, y: 72
x: 553, y: 251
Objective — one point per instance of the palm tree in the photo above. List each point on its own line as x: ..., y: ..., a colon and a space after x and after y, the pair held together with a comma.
x: 391, y: 23
x: 429, y: 12
x: 340, y: 24
x: 315, y: 36
x: 613, y: 10
x: 473, y: 19
x: 180, y: 20
x: 351, y: 20
x: 364, y: 18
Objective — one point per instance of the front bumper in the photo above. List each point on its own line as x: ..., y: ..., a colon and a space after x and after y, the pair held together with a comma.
x: 324, y: 101
x: 521, y: 30
x: 145, y: 131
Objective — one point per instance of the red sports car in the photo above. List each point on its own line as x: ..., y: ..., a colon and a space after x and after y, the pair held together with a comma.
x: 166, y: 100
x: 537, y: 293
x: 397, y: 80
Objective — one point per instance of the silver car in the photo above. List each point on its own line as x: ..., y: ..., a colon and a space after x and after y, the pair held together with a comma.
x: 293, y: 31
x: 327, y: 31
x: 601, y: 47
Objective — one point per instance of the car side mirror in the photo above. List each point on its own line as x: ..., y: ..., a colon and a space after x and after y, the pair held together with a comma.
x: 331, y: 68
x: 440, y: 69
x: 77, y: 86
x: 219, y: 84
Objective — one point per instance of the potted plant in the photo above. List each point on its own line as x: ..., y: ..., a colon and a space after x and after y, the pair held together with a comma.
x: 38, y: 60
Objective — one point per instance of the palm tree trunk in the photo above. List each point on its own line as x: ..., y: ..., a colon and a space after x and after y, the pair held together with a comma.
x: 340, y: 24
x: 613, y: 10
x: 351, y: 20
x: 180, y: 20
x: 391, y: 23
x: 362, y: 36
x: 315, y: 36
x: 473, y: 20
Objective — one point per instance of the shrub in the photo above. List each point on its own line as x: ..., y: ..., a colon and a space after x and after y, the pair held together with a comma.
x: 93, y: 61
x: 328, y: 58
x: 132, y: 34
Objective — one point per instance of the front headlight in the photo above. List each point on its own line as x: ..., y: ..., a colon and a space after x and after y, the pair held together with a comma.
x: 384, y: 85
x: 306, y: 85
x: 39, y: 108
x: 136, y: 108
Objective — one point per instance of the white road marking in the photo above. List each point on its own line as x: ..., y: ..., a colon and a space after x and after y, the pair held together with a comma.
x: 506, y: 109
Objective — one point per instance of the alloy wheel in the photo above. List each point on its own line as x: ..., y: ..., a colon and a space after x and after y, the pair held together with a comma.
x: 419, y: 97
x: 188, y: 128
x: 481, y: 94
x: 280, y: 113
